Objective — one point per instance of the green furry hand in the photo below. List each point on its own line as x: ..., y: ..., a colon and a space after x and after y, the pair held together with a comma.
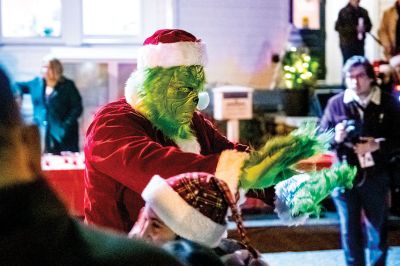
x: 271, y: 164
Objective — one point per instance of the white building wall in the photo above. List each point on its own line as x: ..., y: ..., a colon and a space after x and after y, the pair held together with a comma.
x: 241, y: 36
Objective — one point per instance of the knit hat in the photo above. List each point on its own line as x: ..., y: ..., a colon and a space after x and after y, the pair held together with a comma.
x: 171, y: 47
x: 195, y: 206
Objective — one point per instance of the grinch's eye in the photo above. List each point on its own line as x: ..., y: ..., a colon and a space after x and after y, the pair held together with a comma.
x: 185, y: 89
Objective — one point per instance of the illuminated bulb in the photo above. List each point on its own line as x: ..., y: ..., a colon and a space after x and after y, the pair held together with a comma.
x: 288, y: 75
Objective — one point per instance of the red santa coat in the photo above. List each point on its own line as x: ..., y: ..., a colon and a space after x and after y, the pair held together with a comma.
x: 123, y: 151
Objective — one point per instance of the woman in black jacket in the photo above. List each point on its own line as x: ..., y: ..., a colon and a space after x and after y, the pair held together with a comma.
x: 57, y: 106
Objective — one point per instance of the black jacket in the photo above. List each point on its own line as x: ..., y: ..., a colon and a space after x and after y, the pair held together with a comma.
x: 35, y: 229
x: 347, y: 22
x: 380, y: 121
x: 59, y: 112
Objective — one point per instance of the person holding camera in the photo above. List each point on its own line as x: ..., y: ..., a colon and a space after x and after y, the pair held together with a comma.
x: 364, y: 119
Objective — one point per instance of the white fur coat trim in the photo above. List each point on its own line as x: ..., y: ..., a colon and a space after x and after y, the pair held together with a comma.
x: 188, y: 145
x: 229, y: 168
x: 284, y: 191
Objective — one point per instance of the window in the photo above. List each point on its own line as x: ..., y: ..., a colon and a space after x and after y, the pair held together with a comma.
x: 306, y: 14
x: 104, y: 18
x: 122, y: 21
x: 27, y: 18
x: 75, y: 22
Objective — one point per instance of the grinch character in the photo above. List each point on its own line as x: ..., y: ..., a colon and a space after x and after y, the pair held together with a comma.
x: 157, y: 130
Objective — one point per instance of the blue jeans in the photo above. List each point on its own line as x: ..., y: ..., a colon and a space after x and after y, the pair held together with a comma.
x: 363, y: 221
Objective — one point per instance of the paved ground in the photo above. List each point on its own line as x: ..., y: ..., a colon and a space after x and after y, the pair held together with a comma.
x: 318, y: 258
x: 269, y: 235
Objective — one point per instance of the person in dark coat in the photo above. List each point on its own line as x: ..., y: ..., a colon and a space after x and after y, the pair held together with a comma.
x: 35, y: 228
x: 365, y: 121
x: 57, y: 106
x: 352, y: 25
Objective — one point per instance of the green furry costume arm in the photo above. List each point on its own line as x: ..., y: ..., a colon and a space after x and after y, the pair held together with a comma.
x: 271, y: 164
x: 297, y: 196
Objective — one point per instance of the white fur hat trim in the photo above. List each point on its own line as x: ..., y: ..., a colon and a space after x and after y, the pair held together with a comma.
x: 172, y: 54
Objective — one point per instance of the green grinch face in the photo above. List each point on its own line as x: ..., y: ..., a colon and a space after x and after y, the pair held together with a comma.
x: 170, y: 97
x: 182, y: 97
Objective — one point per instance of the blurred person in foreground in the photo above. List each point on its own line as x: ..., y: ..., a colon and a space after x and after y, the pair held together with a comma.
x: 57, y: 105
x: 35, y: 228
x: 192, y: 254
x: 365, y: 121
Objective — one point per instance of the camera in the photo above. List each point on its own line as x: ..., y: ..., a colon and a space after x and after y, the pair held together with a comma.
x: 353, y: 129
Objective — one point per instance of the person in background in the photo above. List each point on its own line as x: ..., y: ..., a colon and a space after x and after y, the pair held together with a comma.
x: 389, y: 31
x: 57, y: 106
x: 365, y: 121
x: 352, y: 25
x: 35, y: 227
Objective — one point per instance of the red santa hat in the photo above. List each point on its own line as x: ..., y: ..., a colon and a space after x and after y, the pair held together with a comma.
x: 171, y: 47
x: 167, y: 48
x: 195, y: 206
